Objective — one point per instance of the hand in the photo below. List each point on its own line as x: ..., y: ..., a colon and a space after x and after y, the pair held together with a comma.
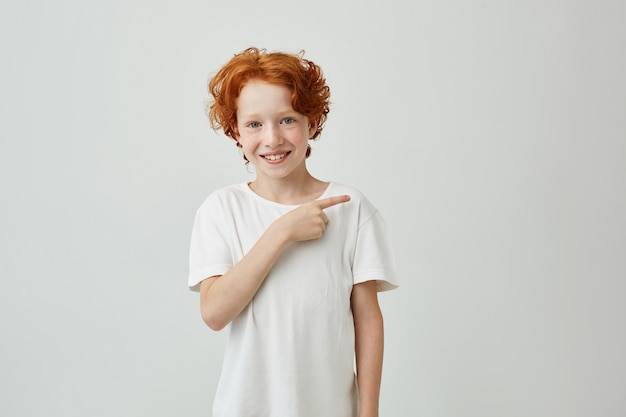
x: 308, y: 221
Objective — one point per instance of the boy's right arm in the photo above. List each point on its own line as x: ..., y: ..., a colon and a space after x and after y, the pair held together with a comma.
x: 223, y: 297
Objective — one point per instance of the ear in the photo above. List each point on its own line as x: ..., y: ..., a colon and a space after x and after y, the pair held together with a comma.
x: 312, y: 127
x: 235, y: 133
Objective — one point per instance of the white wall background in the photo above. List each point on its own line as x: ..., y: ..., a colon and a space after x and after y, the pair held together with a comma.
x: 491, y: 135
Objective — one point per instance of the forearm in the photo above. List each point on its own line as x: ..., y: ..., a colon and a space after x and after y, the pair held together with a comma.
x: 369, y: 362
x: 369, y: 346
x: 223, y: 298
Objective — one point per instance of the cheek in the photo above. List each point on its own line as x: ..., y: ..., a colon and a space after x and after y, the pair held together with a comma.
x: 247, y: 144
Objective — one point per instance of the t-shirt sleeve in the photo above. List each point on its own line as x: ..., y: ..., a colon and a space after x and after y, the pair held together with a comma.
x: 209, y: 253
x: 374, y: 257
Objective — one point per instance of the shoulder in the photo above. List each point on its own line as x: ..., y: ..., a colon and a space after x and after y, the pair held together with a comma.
x: 234, y: 191
x: 340, y: 189
x: 224, y: 198
x: 358, y: 200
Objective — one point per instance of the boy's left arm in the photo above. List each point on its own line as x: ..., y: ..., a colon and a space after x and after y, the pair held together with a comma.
x: 369, y: 342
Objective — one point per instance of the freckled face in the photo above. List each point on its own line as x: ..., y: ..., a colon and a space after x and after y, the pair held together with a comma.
x: 273, y: 136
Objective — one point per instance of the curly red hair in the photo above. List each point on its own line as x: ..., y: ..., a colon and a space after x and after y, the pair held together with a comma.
x: 310, y: 94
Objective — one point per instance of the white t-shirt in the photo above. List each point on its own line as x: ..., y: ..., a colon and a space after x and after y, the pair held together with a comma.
x: 290, y: 352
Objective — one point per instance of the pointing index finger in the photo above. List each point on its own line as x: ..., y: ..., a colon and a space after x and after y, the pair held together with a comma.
x: 332, y: 201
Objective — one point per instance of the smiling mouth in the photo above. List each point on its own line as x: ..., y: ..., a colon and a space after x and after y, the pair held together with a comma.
x: 276, y: 157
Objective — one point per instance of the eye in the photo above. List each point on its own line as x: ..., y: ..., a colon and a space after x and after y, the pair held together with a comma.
x: 289, y: 120
x: 253, y: 124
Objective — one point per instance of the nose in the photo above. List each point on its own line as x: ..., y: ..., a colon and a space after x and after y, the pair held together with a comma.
x: 273, y: 136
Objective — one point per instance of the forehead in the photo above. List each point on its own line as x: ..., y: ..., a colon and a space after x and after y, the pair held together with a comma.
x: 257, y: 93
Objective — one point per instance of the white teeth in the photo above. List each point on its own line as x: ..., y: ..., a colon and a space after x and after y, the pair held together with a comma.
x: 275, y: 157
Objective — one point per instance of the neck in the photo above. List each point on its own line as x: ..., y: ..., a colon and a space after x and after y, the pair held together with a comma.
x: 289, y: 190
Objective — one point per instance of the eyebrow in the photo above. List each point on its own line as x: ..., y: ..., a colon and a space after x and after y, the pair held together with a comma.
x: 257, y: 115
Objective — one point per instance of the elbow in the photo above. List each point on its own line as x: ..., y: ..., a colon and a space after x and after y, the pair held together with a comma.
x: 212, y: 315
x: 212, y: 320
x: 215, y: 325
